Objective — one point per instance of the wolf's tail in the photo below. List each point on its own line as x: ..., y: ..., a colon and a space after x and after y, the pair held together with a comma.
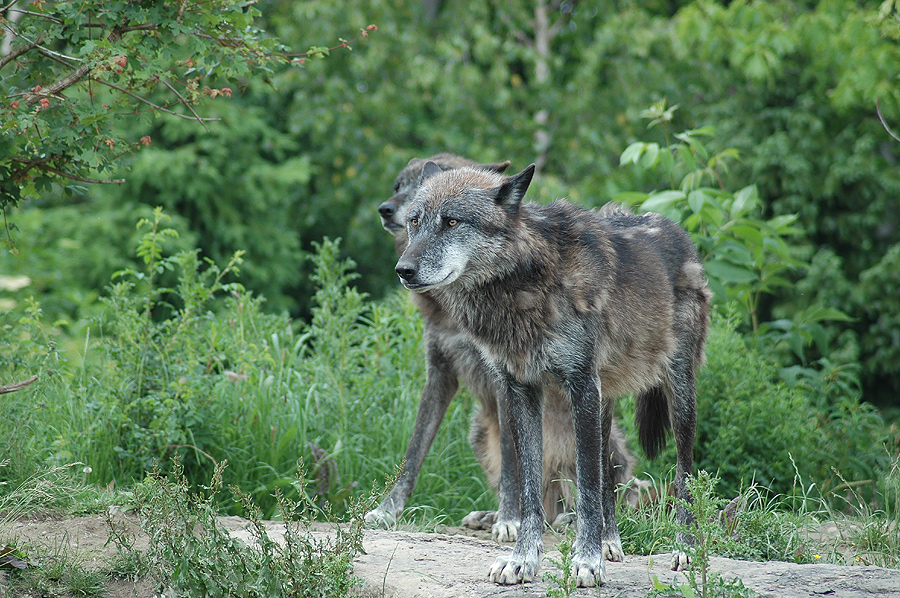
x: 653, y: 420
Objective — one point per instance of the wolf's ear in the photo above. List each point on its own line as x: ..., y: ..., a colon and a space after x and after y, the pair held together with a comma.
x: 509, y: 195
x: 429, y: 170
x: 496, y: 166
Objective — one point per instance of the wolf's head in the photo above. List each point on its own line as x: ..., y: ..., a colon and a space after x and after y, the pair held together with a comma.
x: 458, y: 223
x: 393, y: 211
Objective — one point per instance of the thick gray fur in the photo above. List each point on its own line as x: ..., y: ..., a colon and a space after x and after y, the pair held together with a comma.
x: 450, y: 357
x: 556, y: 296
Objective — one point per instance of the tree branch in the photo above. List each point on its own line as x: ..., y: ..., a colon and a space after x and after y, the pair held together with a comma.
x: 884, y: 124
x: 35, y: 14
x: 15, y: 54
x: 17, y: 385
x: 37, y: 44
x: 42, y: 164
x: 156, y: 107
x: 54, y: 88
x: 28, y: 165
x: 81, y: 179
x: 185, y: 103
x: 72, y: 78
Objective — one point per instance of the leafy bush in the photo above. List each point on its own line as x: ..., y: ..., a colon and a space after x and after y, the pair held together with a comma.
x: 191, y: 552
x: 755, y: 428
x: 194, y: 369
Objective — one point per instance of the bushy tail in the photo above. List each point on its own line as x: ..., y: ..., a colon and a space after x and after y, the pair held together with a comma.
x: 653, y: 420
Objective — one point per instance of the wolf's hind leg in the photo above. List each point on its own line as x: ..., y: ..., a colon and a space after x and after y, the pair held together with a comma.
x: 684, y: 423
x: 440, y: 386
x: 509, y: 518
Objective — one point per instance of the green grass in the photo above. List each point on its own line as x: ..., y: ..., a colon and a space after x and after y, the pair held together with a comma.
x: 170, y: 376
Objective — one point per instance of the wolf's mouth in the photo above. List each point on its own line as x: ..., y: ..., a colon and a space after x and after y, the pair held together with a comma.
x: 420, y: 287
x: 391, y: 226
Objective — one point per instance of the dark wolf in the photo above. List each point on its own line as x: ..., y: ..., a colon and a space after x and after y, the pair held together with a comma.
x: 595, y: 304
x: 451, y: 357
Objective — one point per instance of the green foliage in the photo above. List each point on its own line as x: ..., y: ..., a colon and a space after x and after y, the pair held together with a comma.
x: 191, y: 552
x: 704, y: 527
x: 305, y: 153
x: 160, y: 357
x: 881, y: 307
x: 72, y: 69
x: 60, y: 574
x: 253, y: 204
x: 745, y: 257
x: 753, y: 426
x: 67, y: 255
x: 42, y: 570
x: 183, y: 362
x: 562, y: 585
x: 109, y: 61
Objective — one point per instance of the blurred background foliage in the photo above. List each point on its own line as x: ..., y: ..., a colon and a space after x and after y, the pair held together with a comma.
x: 788, y: 90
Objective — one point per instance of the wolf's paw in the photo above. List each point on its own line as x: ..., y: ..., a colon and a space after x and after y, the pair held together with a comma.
x: 612, y: 550
x: 588, y: 572
x: 379, y: 517
x: 508, y: 570
x: 480, y: 520
x: 680, y: 560
x: 505, y: 531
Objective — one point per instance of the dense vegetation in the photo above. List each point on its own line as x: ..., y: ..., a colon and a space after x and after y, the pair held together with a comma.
x: 308, y: 150
x: 764, y: 143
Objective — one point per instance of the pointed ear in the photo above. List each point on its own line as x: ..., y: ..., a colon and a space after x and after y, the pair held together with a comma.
x: 496, y: 166
x: 510, y: 193
x: 429, y: 170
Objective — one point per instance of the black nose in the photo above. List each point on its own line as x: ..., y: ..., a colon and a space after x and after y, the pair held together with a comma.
x: 405, y: 270
x: 387, y: 209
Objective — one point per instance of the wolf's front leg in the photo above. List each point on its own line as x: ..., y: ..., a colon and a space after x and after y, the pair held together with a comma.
x: 592, y: 538
x: 524, y: 405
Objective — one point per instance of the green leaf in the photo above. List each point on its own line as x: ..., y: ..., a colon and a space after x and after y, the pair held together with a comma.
x: 782, y: 224
x: 631, y: 198
x: 712, y: 213
x: 632, y: 153
x: 748, y: 235
x: 696, y: 199
x: 667, y: 160
x: 662, y: 201
x: 744, y: 201
x: 651, y: 151
x: 728, y: 272
x: 687, y: 156
x: 735, y: 253
x: 820, y: 313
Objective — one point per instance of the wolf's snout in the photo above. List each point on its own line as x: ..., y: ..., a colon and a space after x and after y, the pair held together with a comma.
x: 387, y: 209
x: 406, y: 270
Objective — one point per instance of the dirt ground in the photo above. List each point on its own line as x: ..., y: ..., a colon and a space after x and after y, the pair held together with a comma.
x: 455, y: 563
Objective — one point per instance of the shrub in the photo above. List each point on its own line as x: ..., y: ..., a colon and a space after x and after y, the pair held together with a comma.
x: 191, y: 552
x: 753, y: 427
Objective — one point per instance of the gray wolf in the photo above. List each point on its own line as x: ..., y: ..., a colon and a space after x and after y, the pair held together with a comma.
x: 595, y: 304
x: 451, y: 357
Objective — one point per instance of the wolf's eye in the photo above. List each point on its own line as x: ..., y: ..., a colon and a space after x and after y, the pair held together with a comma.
x: 452, y: 221
x: 414, y: 221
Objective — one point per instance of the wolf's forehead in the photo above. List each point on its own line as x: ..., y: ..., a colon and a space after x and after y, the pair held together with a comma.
x: 458, y: 183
